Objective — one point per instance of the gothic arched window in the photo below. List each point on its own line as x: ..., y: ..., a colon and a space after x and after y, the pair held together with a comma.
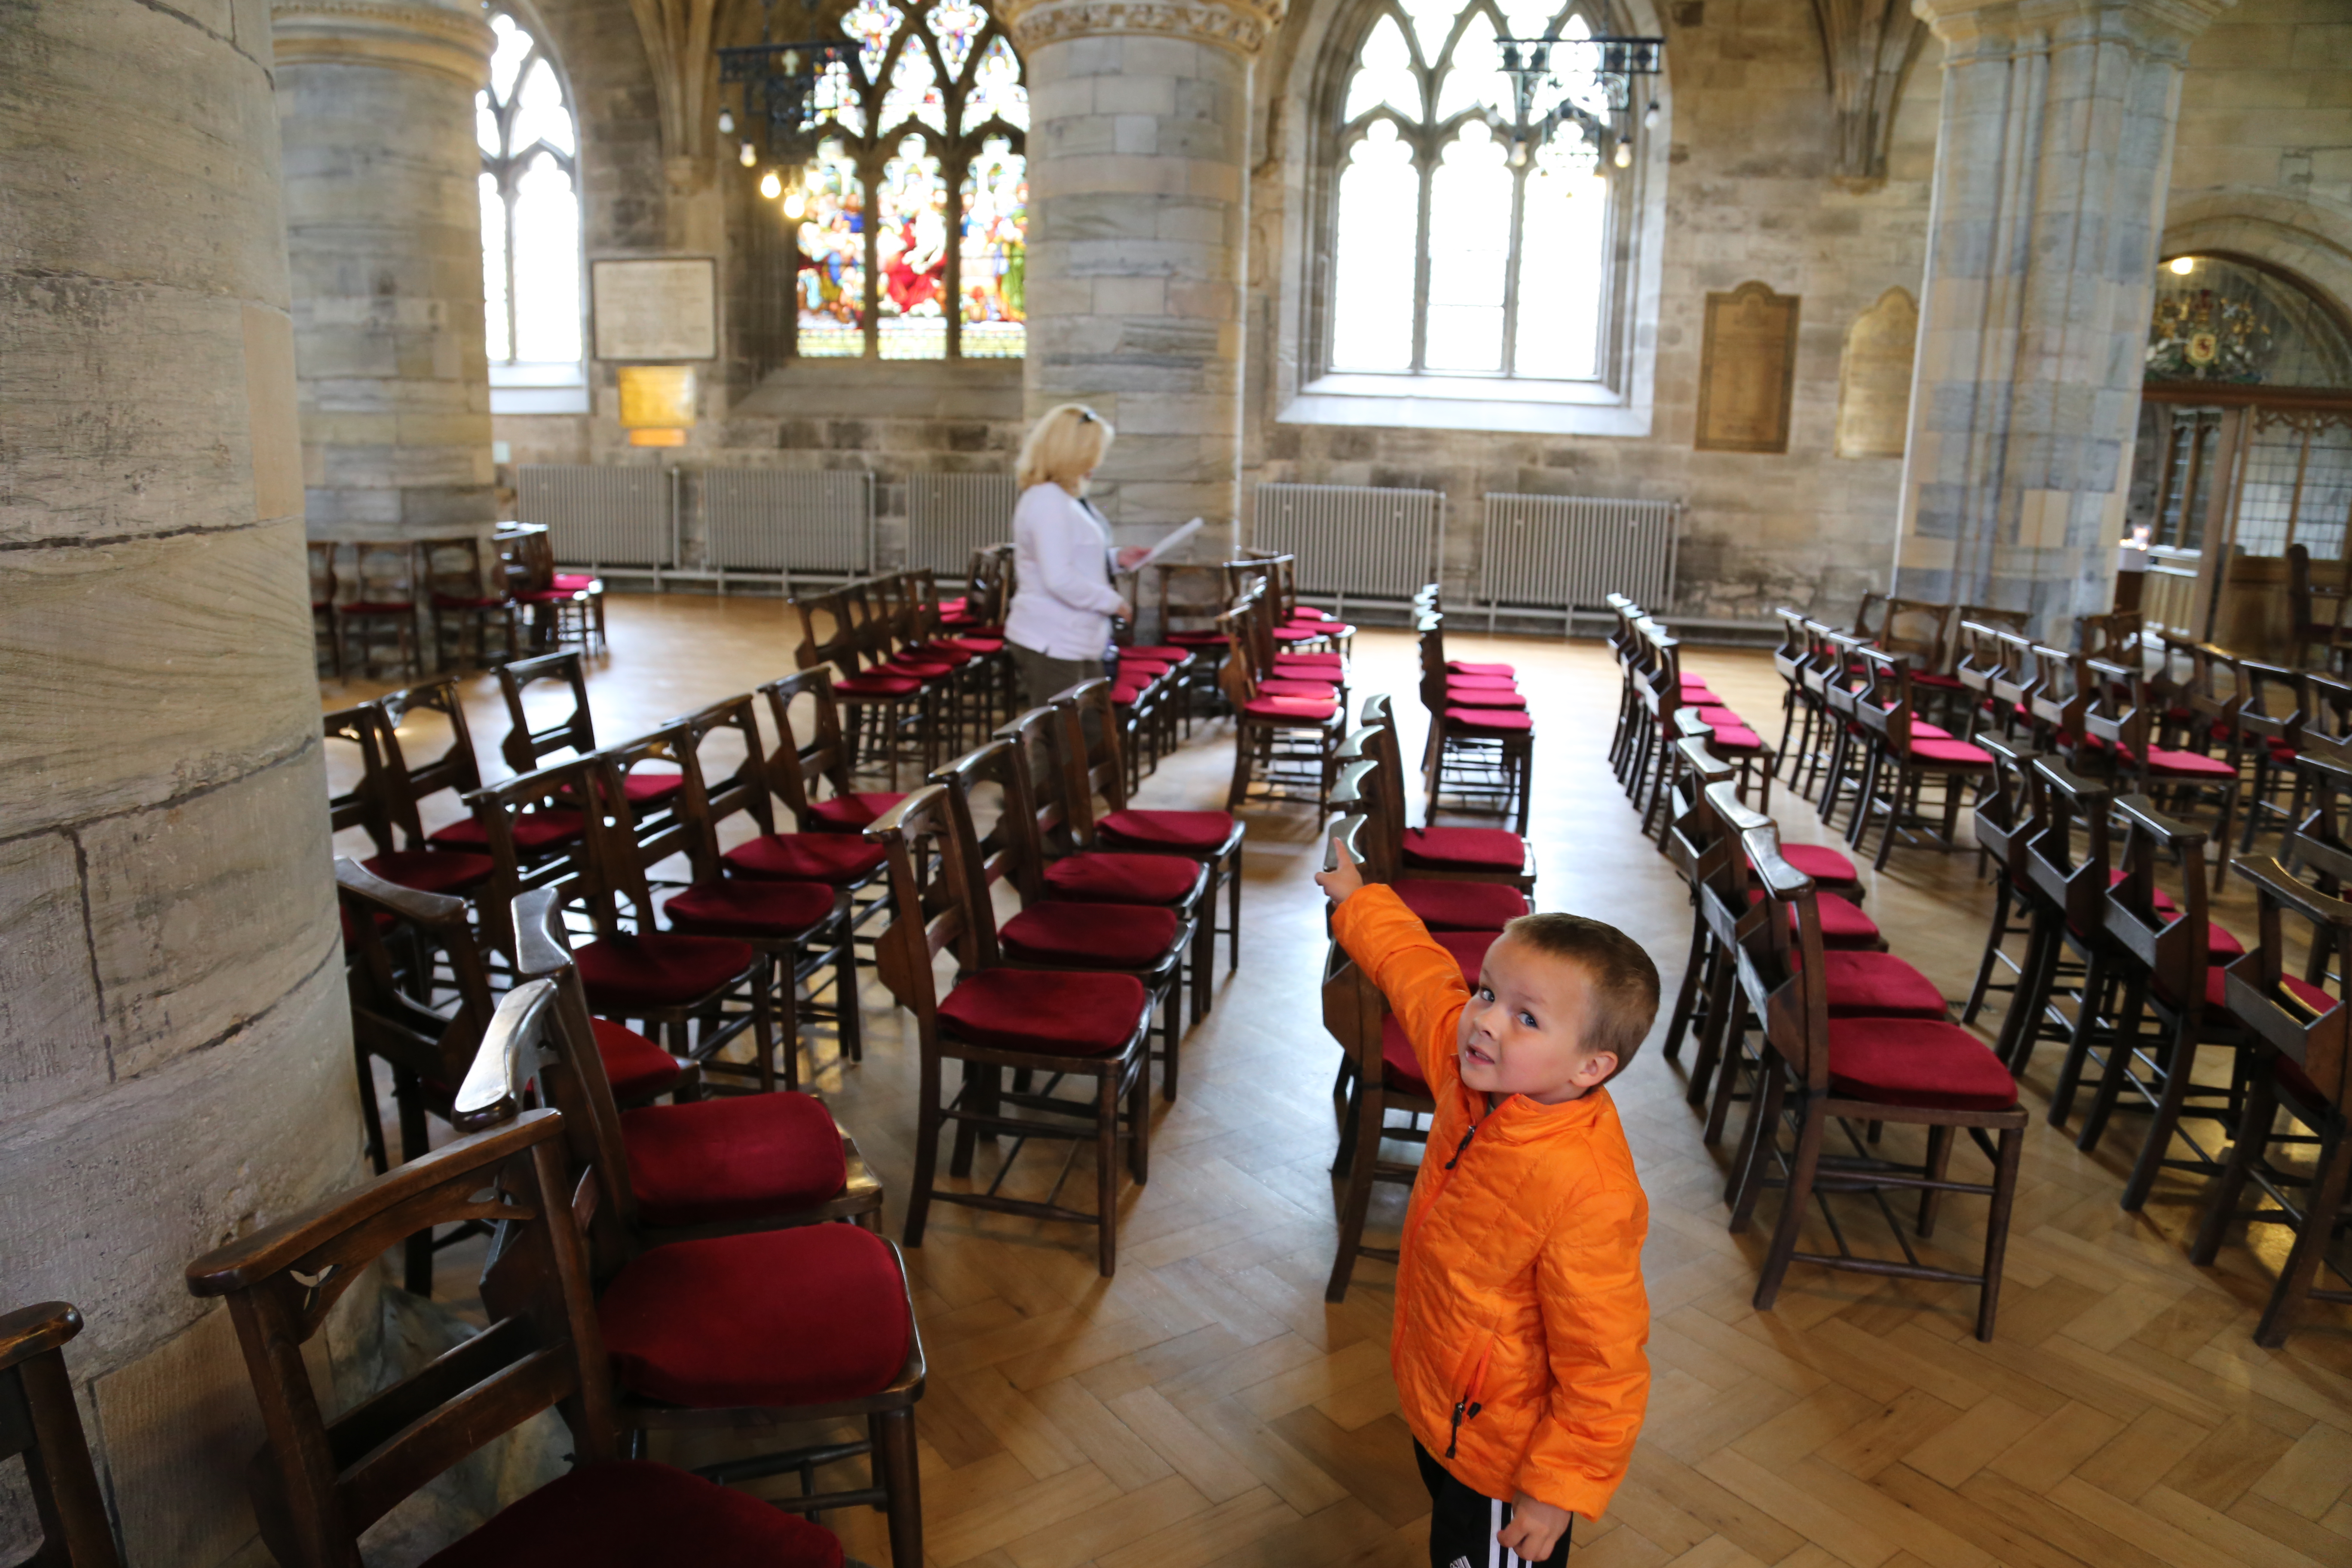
x: 530, y: 213
x: 1461, y: 246
x: 912, y: 217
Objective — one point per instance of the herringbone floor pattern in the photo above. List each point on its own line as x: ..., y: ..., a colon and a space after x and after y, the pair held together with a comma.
x: 1207, y: 1407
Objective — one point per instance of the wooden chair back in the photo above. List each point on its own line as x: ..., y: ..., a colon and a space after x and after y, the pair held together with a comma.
x: 2115, y: 713
x: 2059, y: 697
x: 1885, y: 706
x: 1978, y: 661
x: 2257, y: 994
x: 1777, y: 954
x: 40, y: 1425
x: 322, y: 1481
x: 928, y: 914
x: 810, y: 750
x: 1012, y: 849
x: 500, y: 808
x: 454, y: 572
x: 2274, y: 700
x: 2156, y: 916
x: 2015, y: 681
x: 1843, y: 683
x: 1191, y: 598
x: 1920, y: 630
x: 2209, y: 686
x: 2116, y: 637
x: 435, y: 1044
x: 2317, y: 614
x: 625, y: 847
x: 1870, y: 616
x: 1357, y: 792
x: 1823, y: 661
x: 524, y: 746
x: 323, y: 579
x: 361, y: 806
x: 407, y: 783
x: 1090, y: 770
x: 384, y: 576
x: 1788, y: 653
x: 716, y: 791
x: 2009, y: 805
x: 1037, y: 735
x: 1694, y: 837
x: 2072, y: 876
x: 1994, y: 615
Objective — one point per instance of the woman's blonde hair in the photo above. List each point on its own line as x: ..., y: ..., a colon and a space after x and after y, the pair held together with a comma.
x: 1063, y: 448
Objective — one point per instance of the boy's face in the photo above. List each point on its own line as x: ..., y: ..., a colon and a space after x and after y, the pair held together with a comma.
x: 1522, y: 1030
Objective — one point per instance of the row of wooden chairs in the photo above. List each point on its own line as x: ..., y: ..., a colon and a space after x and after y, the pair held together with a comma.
x: 1480, y: 757
x: 463, y: 595
x: 908, y: 689
x: 1655, y: 693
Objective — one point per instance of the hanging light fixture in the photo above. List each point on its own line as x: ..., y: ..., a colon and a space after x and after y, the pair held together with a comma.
x: 777, y: 83
x: 727, y: 122
x: 1611, y: 64
x: 771, y: 186
x: 749, y: 156
x: 795, y: 205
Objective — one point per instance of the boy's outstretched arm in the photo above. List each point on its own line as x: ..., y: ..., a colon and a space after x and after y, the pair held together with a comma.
x: 1421, y: 979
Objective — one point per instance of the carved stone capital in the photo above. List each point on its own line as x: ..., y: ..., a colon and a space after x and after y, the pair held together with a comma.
x: 405, y: 35
x: 1241, y: 26
x: 2159, y: 28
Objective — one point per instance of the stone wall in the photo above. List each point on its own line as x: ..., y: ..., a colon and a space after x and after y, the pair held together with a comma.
x: 175, y: 1063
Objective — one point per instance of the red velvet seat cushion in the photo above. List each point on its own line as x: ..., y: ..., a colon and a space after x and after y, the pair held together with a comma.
x: 1918, y: 1062
x: 1165, y: 653
x: 1482, y: 697
x: 534, y: 831
x: 1303, y: 633
x: 1208, y: 639
x: 1493, y: 720
x: 851, y: 813
x: 1045, y: 1012
x: 2166, y: 764
x: 446, y: 872
x: 919, y: 669
x: 1469, y: 950
x: 876, y: 686
x: 1400, y: 1069
x: 979, y: 647
x: 1292, y: 686
x: 751, y: 906
x: 1936, y: 681
x: 632, y: 1513
x: 647, y: 790
x: 1461, y: 906
x: 1820, y: 862
x: 572, y: 582
x: 1879, y: 985
x: 1186, y: 830
x: 627, y: 973
x: 1465, y: 667
x: 1842, y: 925
x: 1482, y: 847
x: 1290, y: 710
x: 1309, y: 613
x: 1483, y: 682
x: 1090, y: 936
x: 832, y: 857
x: 636, y: 1067
x: 953, y: 655
x: 1735, y: 740
x: 1125, y: 693
x: 775, y: 1318
x: 1947, y: 753
x: 1287, y: 660
x: 738, y: 1158
x: 1115, y: 879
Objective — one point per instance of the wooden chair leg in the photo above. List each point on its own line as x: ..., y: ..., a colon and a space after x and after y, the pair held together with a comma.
x: 1686, y: 993
x: 2010, y: 1149
x: 893, y: 1435
x: 2325, y: 1197
x: 1731, y: 1056
x: 2078, y: 1053
x: 2254, y: 1133
x: 1755, y: 1143
x: 1796, y: 1200
x: 1107, y: 1097
x: 2179, y: 1068
x: 926, y: 1150
x: 1936, y: 1167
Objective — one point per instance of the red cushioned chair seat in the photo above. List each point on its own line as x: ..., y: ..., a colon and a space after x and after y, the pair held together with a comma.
x: 1483, y: 847
x: 1947, y: 753
x: 632, y: 1513
x: 647, y: 790
x: 1311, y: 690
x: 1879, y: 985
x: 851, y: 813
x: 1493, y: 719
x: 1304, y: 660
x: 1290, y: 710
x: 534, y: 831
x: 807, y: 1316
x: 876, y: 686
x: 1125, y: 694
x: 2166, y: 763
x: 832, y: 857
x: 549, y: 597
x: 636, y: 1067
x: 1301, y: 634
x: 1185, y: 830
x: 1167, y: 652
x: 1400, y: 1069
x: 572, y: 582
x: 751, y: 906
x: 738, y: 1158
x: 1198, y: 639
x: 1483, y: 682
x: 659, y: 969
x: 1716, y: 713
x: 1469, y: 950
x: 1820, y: 862
x: 1465, y: 667
x: 1461, y: 906
x: 979, y: 647
x: 380, y: 607
x: 1735, y: 740
x: 1309, y: 613
x: 1918, y: 1062
x: 1923, y: 731
x: 448, y: 871
x: 1092, y: 936
x: 944, y: 652
x: 2216, y: 1001
x: 1482, y: 697
x: 1115, y: 879
x: 919, y: 668
x: 1045, y: 1013
x: 1842, y: 925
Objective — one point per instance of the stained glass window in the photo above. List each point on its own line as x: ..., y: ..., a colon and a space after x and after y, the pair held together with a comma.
x: 1460, y: 244
x: 530, y: 205
x: 931, y: 114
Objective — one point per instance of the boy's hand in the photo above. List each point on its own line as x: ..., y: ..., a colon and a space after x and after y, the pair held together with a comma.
x: 1343, y: 881
x: 1535, y: 1529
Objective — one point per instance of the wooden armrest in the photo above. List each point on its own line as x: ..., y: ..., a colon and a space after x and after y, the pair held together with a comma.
x: 2273, y: 878
x: 406, y: 903
x: 30, y: 1330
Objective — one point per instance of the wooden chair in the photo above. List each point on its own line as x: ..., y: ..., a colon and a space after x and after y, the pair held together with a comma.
x: 894, y: 710
x: 464, y: 600
x: 564, y: 606
x: 2068, y: 884
x: 1093, y: 1027
x: 1437, y: 854
x: 752, y: 787
x: 1283, y: 743
x: 2317, y: 614
x: 2118, y: 722
x: 384, y: 595
x: 1976, y: 660
x: 41, y: 1425
x: 1844, y: 679
x: 366, y: 805
x: 816, y: 744
x: 1479, y: 753
x: 552, y: 833
x: 1920, y: 630
x: 1915, y: 1071
x: 2302, y: 1069
x: 2006, y: 815
x: 2014, y: 685
x: 2274, y: 705
x: 322, y: 602
x: 1788, y: 661
x: 1905, y: 754
x: 527, y: 746
x: 1442, y: 904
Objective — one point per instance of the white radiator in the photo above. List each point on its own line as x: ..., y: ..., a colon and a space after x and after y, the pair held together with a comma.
x: 1363, y: 542
x: 1564, y: 555
x: 776, y: 524
x: 599, y: 515
x: 948, y: 516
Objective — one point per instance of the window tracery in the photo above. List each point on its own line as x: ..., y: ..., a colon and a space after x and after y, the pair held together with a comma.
x: 530, y: 205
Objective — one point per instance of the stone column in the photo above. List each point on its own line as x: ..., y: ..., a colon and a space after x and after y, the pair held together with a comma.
x: 2052, y: 167
x: 1138, y: 148
x: 176, y: 1059
x: 375, y: 102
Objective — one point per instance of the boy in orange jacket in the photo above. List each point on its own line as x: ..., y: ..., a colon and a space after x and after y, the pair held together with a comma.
x: 1520, y: 1316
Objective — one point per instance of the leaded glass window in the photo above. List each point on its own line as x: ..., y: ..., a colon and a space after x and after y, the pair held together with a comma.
x: 530, y: 205
x: 911, y: 219
x: 1460, y: 249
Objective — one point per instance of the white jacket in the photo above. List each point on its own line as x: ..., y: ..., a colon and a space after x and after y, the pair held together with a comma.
x: 1061, y: 596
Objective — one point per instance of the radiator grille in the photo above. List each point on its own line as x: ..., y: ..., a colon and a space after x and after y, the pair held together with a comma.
x: 1568, y: 553
x: 598, y: 515
x: 1353, y: 541
x: 948, y: 516
x: 786, y: 521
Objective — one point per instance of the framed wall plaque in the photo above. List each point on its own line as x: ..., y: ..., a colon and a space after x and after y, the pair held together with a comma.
x: 1747, y: 370
x: 1874, y: 411
x: 655, y: 308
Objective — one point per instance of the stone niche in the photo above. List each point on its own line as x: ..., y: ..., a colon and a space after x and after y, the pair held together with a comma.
x: 1874, y: 408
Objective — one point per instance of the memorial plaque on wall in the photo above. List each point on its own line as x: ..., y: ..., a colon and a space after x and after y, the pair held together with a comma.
x: 1747, y: 370
x: 658, y: 308
x: 1873, y: 415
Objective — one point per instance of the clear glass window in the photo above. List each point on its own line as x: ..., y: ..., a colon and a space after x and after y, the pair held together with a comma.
x: 531, y: 206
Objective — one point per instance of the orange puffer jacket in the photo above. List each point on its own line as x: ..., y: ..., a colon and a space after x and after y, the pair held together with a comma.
x: 1520, y: 1316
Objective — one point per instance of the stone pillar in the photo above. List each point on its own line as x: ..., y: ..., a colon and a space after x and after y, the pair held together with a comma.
x: 375, y: 102
x: 1139, y: 150
x: 176, y: 1059
x: 2052, y: 166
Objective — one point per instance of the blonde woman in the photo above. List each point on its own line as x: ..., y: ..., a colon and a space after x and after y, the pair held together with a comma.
x: 1059, y: 627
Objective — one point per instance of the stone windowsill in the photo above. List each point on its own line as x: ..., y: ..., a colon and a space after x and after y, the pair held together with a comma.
x: 1467, y: 403
x: 538, y: 389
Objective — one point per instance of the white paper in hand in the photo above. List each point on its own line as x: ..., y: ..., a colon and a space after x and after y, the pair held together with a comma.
x: 1168, y: 546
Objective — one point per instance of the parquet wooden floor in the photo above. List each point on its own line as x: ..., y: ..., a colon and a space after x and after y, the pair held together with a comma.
x: 1207, y: 1407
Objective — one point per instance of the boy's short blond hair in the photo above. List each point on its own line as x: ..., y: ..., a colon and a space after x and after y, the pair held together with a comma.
x: 1623, y: 980
x: 1063, y: 447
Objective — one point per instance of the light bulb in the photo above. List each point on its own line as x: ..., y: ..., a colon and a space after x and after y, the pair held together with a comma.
x: 748, y: 156
x: 727, y: 122
x: 1650, y: 116
x: 1623, y: 156
x: 771, y: 186
x: 2182, y: 265
x: 796, y: 205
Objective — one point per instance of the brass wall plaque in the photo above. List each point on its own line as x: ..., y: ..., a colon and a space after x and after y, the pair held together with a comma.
x: 1747, y: 370
x: 1873, y: 415
x: 655, y: 396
